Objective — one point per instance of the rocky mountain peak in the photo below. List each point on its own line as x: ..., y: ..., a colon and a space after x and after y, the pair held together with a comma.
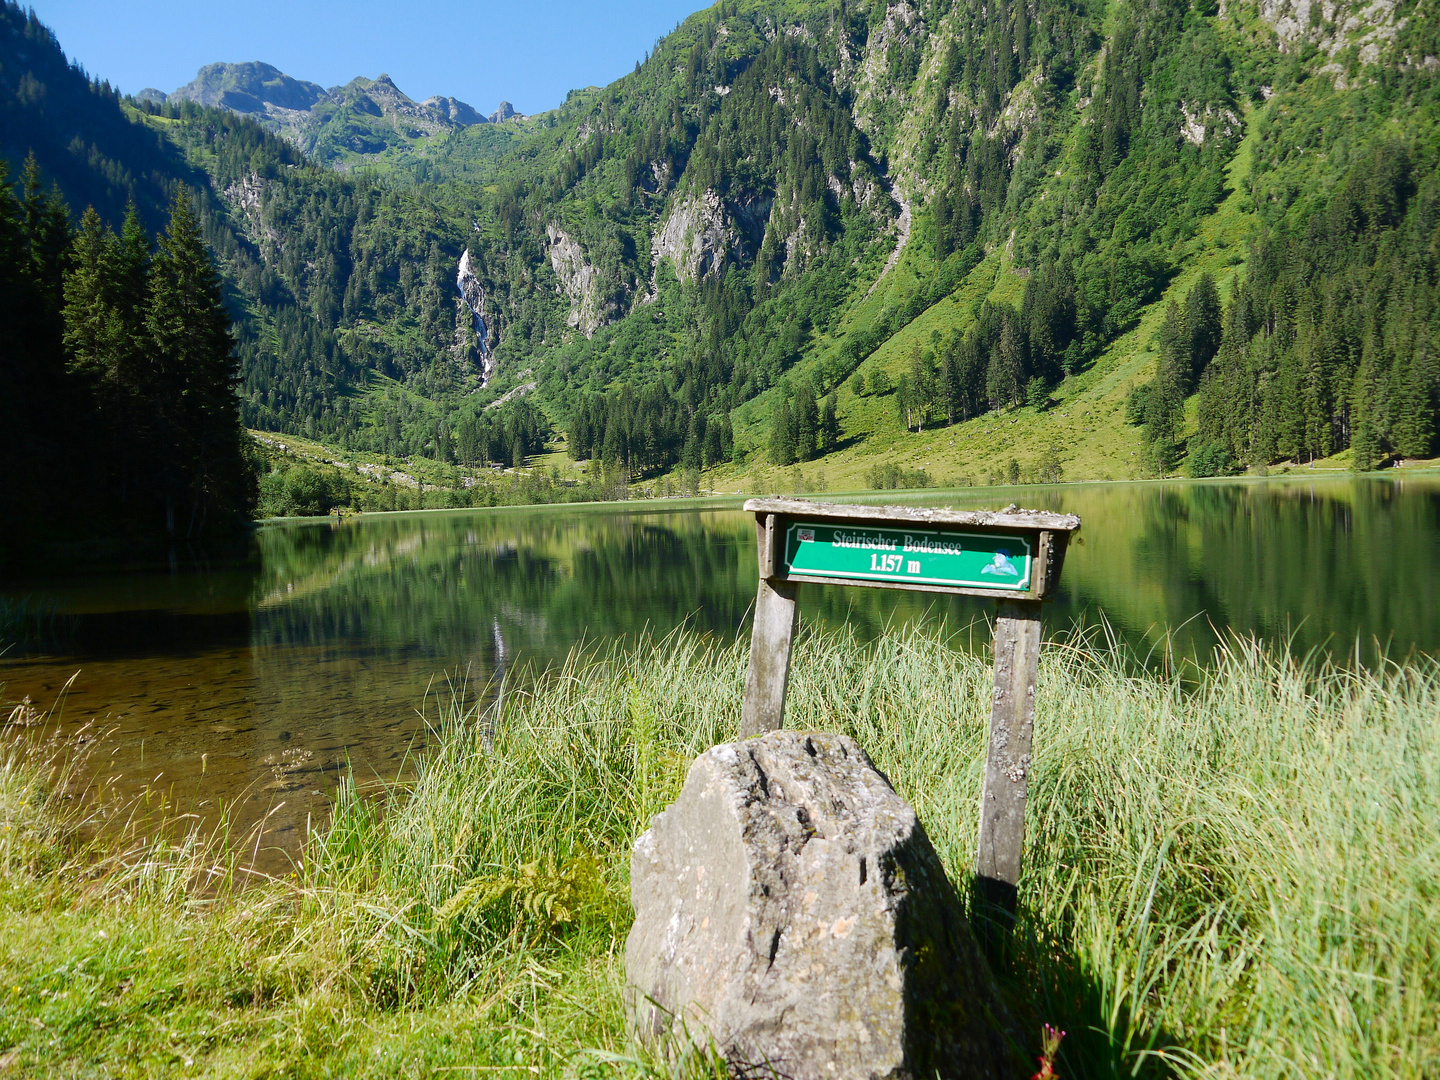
x: 250, y: 87
x: 364, y: 116
x: 455, y: 111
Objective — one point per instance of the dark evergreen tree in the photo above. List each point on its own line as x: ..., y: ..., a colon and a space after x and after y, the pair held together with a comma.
x: 1202, y: 327
x: 829, y: 426
x: 782, y: 435
x: 807, y: 423
x: 190, y: 383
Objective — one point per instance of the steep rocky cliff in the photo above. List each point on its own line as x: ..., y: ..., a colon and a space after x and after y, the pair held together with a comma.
x: 581, y: 282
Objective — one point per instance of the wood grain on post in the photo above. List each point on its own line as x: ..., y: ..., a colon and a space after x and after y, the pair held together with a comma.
x: 1007, y: 768
x: 776, y: 617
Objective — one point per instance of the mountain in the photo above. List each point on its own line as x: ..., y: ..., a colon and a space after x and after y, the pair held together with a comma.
x: 1029, y: 238
x: 250, y: 89
x: 366, y: 121
x: 79, y: 128
x: 454, y: 110
x: 959, y: 219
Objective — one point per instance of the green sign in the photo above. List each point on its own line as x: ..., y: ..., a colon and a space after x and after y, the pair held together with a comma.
x: 909, y: 556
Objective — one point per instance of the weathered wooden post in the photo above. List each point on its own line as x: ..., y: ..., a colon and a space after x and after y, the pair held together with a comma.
x: 1014, y: 556
x: 777, y: 613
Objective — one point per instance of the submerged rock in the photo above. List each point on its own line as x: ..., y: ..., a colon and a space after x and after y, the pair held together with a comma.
x: 789, y: 907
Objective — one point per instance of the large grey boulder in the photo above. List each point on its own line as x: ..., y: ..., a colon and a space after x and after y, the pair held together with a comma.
x: 791, y: 912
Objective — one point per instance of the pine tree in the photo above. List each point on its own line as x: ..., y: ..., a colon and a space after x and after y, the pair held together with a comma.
x: 1164, y: 417
x: 1203, y: 325
x: 26, y: 383
x: 829, y: 426
x: 807, y: 423
x: 1367, y: 443
x: 94, y: 336
x: 1173, y: 344
x: 782, y: 436
x: 1005, y: 379
x: 47, y: 238
x: 191, y: 381
x: 693, y: 455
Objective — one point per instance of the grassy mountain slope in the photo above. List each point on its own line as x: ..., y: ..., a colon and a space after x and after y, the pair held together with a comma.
x: 991, y: 207
x: 1090, y: 189
x: 1083, y: 422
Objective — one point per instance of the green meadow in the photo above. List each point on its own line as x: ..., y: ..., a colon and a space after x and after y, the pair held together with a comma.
x: 1230, y: 871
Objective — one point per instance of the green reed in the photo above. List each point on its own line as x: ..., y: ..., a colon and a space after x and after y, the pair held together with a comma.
x: 1234, y: 874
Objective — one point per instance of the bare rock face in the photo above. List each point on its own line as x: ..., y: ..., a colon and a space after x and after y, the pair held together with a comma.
x: 789, y: 907
x: 694, y: 237
x: 503, y: 113
x: 589, y: 308
x: 454, y: 110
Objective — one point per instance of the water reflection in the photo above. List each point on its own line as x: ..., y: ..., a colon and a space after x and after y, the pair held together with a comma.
x: 255, y: 682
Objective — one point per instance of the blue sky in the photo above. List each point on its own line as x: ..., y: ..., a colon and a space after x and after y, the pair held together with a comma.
x: 527, y: 53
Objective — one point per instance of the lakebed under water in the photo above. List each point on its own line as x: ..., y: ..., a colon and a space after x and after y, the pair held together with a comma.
x: 252, y: 684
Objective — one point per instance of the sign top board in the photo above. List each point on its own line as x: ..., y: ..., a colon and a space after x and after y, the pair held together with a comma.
x: 1012, y: 554
x: 1010, y: 518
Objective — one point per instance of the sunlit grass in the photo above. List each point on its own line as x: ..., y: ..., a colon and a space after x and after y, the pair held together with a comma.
x: 1233, y: 875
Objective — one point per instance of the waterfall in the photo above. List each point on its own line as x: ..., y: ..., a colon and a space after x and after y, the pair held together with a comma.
x: 473, y: 294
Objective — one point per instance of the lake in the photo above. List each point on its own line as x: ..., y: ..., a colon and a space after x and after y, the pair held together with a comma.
x: 254, y: 682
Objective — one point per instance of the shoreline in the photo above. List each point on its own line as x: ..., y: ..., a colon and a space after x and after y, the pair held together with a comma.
x: 1182, y: 841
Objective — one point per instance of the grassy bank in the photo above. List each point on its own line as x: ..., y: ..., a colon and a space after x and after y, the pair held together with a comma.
x: 1238, y: 876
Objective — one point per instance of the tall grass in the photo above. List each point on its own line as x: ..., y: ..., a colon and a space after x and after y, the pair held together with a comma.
x: 1235, y: 875
x: 30, y: 623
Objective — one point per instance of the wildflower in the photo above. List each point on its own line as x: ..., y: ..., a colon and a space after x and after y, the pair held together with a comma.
x: 1050, y: 1046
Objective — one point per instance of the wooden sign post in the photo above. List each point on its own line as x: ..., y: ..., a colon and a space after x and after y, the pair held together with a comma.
x: 1014, y: 556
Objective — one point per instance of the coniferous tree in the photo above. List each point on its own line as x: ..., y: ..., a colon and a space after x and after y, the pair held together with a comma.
x: 713, y: 453
x: 1005, y: 380
x: 28, y: 384
x: 190, y: 381
x: 1173, y: 344
x: 782, y: 435
x: 807, y: 423
x: 47, y: 235
x: 95, y: 332
x: 1203, y: 327
x: 829, y: 426
x: 1417, y: 381
x: 693, y: 456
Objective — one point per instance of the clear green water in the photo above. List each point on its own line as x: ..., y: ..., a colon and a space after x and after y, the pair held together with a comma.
x: 253, y: 683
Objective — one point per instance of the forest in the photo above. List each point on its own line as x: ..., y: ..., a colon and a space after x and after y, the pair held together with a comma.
x: 117, y: 395
x: 730, y: 206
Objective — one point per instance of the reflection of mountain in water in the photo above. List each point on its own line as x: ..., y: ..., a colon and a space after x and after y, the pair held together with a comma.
x: 440, y: 586
x: 269, y: 676
x: 1326, y: 565
x: 1326, y: 561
